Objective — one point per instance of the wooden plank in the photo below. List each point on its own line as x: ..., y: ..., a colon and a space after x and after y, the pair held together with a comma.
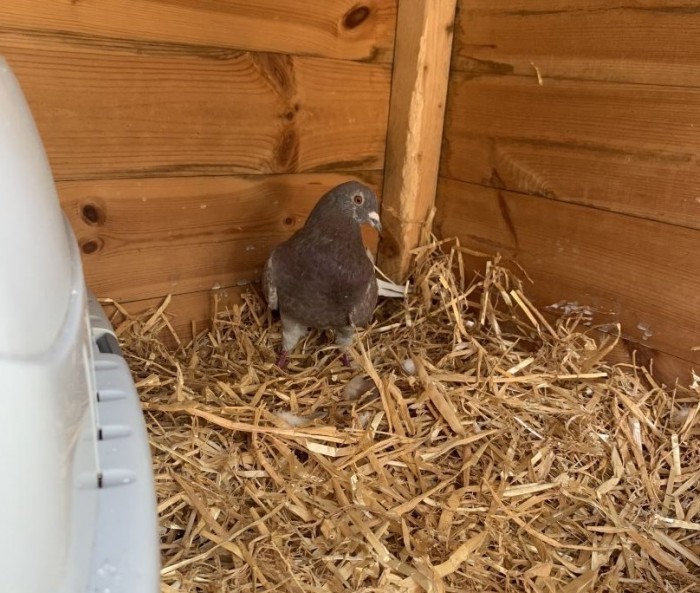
x: 612, y: 117
x: 645, y: 42
x: 114, y: 113
x: 419, y: 87
x: 643, y: 274
x: 342, y: 29
x: 626, y: 148
x: 146, y: 238
x: 657, y: 189
x: 185, y: 312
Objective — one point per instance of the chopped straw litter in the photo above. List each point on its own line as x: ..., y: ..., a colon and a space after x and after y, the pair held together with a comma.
x: 475, y: 446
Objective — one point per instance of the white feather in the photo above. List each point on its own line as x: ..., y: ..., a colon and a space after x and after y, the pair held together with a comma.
x: 409, y: 366
x: 389, y: 289
x: 357, y: 386
x: 292, y: 419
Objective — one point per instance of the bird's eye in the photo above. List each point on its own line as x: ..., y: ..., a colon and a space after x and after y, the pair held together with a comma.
x: 358, y: 199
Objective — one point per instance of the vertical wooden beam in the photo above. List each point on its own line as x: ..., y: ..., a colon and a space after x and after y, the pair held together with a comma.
x: 423, y: 49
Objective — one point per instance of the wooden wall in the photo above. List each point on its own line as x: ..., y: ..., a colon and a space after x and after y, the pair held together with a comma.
x: 571, y: 144
x: 187, y: 137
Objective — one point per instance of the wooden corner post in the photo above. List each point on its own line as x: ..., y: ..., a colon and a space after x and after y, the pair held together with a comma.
x: 422, y: 53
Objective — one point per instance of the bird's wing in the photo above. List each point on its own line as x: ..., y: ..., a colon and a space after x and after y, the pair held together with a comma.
x: 268, y: 283
x: 363, y: 307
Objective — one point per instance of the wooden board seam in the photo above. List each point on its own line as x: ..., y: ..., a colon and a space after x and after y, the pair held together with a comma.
x: 210, y: 291
x: 192, y: 173
x: 164, y: 48
x: 471, y: 75
x: 569, y: 201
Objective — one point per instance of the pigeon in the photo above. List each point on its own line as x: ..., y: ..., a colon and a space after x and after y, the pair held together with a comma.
x: 321, y: 277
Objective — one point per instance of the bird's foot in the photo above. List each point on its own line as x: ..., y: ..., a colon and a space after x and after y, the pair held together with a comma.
x: 283, y: 359
x: 345, y: 359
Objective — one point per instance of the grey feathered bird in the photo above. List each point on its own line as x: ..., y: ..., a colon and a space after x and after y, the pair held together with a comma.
x: 321, y: 277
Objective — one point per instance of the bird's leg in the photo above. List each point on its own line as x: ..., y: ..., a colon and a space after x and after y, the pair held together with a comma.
x: 343, y: 338
x: 283, y: 359
x: 292, y: 332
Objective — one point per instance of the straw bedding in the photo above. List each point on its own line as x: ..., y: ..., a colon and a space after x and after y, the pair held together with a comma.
x: 474, y: 446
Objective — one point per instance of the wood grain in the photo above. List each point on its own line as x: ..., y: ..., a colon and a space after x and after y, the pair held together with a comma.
x: 417, y: 110
x: 146, y: 238
x: 645, y: 42
x: 656, y: 189
x: 619, y: 147
x: 115, y: 113
x: 343, y: 29
x: 643, y: 274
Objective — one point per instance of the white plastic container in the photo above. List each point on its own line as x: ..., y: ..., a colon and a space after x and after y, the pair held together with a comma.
x: 76, y: 485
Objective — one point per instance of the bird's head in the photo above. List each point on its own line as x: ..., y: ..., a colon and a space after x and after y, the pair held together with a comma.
x: 353, y: 200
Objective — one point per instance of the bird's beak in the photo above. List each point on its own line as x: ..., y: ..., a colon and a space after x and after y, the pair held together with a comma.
x: 374, y: 220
